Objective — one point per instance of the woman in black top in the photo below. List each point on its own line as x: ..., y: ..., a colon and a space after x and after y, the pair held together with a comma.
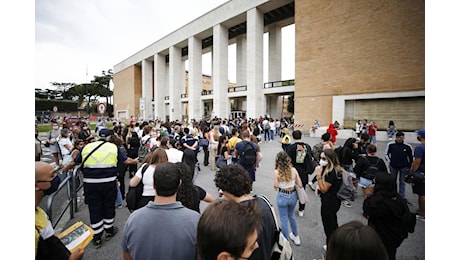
x: 328, y: 184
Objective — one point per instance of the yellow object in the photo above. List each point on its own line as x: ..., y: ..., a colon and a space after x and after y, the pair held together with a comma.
x: 77, y: 236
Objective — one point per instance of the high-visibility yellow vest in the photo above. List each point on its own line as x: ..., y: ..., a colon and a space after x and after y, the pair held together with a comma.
x: 104, y: 157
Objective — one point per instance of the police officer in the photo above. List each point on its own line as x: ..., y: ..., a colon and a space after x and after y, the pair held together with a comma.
x: 100, y: 171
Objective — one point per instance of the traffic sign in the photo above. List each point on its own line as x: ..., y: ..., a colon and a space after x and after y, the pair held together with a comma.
x: 55, y: 109
x: 101, y: 108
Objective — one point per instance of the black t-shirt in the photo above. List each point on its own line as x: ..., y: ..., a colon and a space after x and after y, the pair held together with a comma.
x: 332, y: 192
x: 363, y: 164
x: 266, y: 237
x: 199, y: 196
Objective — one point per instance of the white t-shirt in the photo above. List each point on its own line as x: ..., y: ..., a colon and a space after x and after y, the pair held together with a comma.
x: 174, y: 155
x: 62, y: 142
x: 147, y: 180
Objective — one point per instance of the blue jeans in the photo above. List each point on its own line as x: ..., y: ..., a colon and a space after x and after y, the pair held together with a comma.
x: 402, y: 174
x: 286, y: 204
x: 119, y: 200
x: 272, y: 135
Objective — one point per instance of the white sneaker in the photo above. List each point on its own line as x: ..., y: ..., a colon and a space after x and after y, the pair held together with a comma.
x: 311, y: 186
x: 347, y: 204
x: 296, y: 239
x: 301, y: 213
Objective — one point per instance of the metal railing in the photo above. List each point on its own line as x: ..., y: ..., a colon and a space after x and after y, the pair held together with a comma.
x: 280, y: 83
x: 237, y: 88
x: 73, y: 184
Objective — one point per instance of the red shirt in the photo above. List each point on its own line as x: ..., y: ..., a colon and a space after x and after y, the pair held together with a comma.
x: 331, y: 130
x: 372, y: 129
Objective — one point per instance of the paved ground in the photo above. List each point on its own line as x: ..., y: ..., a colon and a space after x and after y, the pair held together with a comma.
x: 310, y: 226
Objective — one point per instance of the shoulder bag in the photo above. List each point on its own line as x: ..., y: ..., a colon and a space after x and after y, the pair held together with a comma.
x: 281, y: 249
x: 135, y: 193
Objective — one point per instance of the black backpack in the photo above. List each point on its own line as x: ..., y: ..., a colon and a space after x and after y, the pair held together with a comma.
x: 249, y: 155
x: 372, y: 170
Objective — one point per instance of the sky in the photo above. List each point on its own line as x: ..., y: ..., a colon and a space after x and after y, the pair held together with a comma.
x: 76, y: 40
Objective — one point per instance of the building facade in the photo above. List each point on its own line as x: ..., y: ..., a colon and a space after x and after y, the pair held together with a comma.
x: 353, y: 60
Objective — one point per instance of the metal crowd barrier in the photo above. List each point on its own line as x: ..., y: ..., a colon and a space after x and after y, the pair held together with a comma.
x: 72, y: 183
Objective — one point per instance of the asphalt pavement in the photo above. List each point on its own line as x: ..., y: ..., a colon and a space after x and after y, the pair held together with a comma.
x: 310, y: 226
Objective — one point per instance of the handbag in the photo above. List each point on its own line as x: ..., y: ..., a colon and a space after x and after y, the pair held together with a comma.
x: 221, y: 161
x: 204, y: 142
x: 135, y: 193
x: 301, y: 194
x: 414, y: 176
x: 281, y: 249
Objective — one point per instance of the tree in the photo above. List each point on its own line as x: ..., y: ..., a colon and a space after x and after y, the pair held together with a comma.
x: 103, y: 84
x: 290, y: 106
x: 63, y: 88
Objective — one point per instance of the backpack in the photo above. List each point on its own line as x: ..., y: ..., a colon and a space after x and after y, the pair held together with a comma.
x: 248, y: 156
x: 317, y: 150
x: 143, y: 150
x: 267, y: 126
x: 135, y: 193
x: 281, y: 248
x: 301, y: 153
x: 372, y: 170
x: 347, y: 190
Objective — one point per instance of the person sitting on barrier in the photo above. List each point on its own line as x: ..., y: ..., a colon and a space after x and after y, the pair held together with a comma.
x: 47, y: 245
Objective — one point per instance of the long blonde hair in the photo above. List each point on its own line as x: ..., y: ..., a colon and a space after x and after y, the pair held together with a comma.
x: 284, y: 166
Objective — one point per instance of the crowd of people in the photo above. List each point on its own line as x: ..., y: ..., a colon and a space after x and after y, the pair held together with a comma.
x: 239, y: 225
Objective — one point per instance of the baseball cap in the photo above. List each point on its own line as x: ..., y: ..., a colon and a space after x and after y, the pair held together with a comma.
x: 421, y: 132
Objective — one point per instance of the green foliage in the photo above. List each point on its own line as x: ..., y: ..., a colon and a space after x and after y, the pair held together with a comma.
x: 290, y: 106
x: 62, y: 105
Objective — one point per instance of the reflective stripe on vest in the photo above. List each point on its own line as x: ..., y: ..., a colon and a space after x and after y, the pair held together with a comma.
x: 104, y: 157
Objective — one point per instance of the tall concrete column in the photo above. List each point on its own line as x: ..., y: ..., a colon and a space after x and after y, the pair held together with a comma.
x: 254, y: 61
x: 220, y: 71
x: 241, y: 60
x: 195, y: 73
x: 175, y: 85
x: 147, y: 89
x: 160, y: 84
x: 274, y: 53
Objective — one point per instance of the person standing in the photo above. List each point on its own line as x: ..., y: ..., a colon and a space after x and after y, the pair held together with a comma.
x: 399, y: 156
x: 285, y: 179
x: 158, y: 229
x: 235, y: 184
x: 361, y: 169
x: 100, y: 173
x: 358, y: 128
x: 246, y: 152
x: 302, y: 159
x: 47, y: 245
x: 333, y: 132
x: 387, y: 213
x: 418, y: 165
x: 285, y: 139
x: 329, y: 175
x: 232, y: 143
x: 372, y: 131
x: 53, y: 137
x: 38, y: 146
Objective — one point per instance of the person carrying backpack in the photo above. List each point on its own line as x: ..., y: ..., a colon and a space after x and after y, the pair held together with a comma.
x: 302, y: 160
x: 318, y: 148
x: 347, y: 154
x: 246, y: 152
x: 367, y: 167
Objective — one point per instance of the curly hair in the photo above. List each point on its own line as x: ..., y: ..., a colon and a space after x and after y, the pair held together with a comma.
x: 284, y: 166
x: 234, y: 179
x: 186, y: 193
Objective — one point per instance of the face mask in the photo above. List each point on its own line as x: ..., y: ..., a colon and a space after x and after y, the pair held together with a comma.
x: 323, y: 162
x: 55, y: 127
x: 54, y: 185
